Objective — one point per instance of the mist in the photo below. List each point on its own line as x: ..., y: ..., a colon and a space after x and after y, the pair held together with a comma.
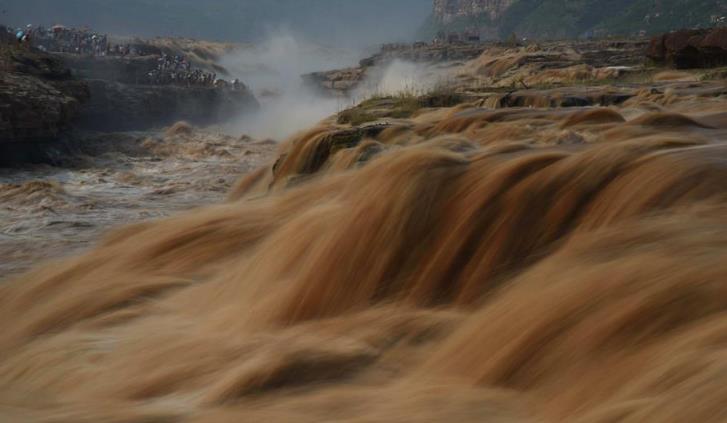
x: 280, y: 40
x: 273, y: 70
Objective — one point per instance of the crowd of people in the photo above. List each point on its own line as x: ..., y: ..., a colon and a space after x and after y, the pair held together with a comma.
x: 60, y: 39
x: 177, y: 70
x: 170, y: 69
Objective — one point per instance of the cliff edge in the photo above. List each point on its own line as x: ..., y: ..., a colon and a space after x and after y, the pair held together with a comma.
x: 38, y: 96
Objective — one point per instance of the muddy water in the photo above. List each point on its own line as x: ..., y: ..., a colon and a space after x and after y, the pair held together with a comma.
x: 107, y: 181
x: 468, y: 264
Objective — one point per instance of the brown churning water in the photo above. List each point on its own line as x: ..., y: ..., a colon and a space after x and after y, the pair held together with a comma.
x: 465, y: 265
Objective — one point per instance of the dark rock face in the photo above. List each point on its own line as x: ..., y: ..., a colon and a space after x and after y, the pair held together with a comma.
x: 38, y: 97
x: 42, y: 95
x: 120, y: 100
x: 118, y: 107
x: 336, y: 81
x: 131, y: 70
x: 565, y: 97
x: 5, y: 35
x: 429, y: 53
x: 602, y: 53
x: 690, y: 48
x: 32, y: 109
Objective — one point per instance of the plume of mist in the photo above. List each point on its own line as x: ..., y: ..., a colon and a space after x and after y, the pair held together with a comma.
x: 273, y: 70
x: 400, y: 77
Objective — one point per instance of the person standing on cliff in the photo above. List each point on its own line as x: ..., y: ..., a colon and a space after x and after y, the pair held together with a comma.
x: 28, y: 33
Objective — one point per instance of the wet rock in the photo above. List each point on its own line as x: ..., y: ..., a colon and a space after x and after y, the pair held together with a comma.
x: 120, y: 100
x: 32, y: 109
x: 339, y: 81
x: 128, y: 70
x: 326, y: 147
x: 42, y: 95
x: 117, y: 107
x: 554, y: 55
x: 339, y: 140
x: 397, y: 107
x: 344, y: 81
x: 690, y: 48
x: 575, y: 101
x: 38, y: 97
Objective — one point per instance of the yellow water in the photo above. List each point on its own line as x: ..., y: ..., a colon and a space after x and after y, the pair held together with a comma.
x: 468, y: 265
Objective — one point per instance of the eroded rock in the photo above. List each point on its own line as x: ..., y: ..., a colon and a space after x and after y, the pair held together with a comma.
x: 38, y: 97
x: 686, y: 49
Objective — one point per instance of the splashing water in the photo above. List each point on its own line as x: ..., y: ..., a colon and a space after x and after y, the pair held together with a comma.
x: 274, y: 70
x: 467, y: 264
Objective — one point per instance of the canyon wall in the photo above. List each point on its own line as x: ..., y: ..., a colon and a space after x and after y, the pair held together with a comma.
x: 38, y: 96
x: 555, y: 19
x: 115, y: 106
x: 446, y: 11
x: 45, y: 97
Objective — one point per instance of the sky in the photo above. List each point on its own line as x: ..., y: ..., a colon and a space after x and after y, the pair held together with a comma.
x: 349, y: 23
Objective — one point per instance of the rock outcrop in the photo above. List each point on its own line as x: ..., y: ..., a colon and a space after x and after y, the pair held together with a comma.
x: 336, y: 81
x: 115, y: 106
x: 121, y: 98
x: 126, y: 70
x: 691, y: 48
x: 32, y: 109
x: 38, y: 96
x: 554, y: 55
x: 446, y: 11
x: 556, y: 19
x: 343, y: 81
x: 43, y: 94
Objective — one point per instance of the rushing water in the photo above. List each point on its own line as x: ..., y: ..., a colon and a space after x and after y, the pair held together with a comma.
x: 112, y: 180
x: 467, y: 264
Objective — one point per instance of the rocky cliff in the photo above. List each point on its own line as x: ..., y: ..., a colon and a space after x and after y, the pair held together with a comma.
x: 690, y: 48
x: 573, y: 18
x: 43, y: 95
x: 120, y: 98
x: 447, y: 11
x: 114, y: 106
x: 38, y: 96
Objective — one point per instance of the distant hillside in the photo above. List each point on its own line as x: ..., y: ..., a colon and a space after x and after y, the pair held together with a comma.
x: 337, y: 22
x: 572, y: 18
